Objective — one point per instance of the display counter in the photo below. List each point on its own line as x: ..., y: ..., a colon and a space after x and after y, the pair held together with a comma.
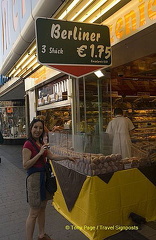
x: 99, y: 206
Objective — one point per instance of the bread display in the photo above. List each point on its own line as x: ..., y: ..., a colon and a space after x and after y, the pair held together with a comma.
x: 95, y: 164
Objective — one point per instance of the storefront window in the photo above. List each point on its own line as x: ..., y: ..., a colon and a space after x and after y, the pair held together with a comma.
x: 12, y: 119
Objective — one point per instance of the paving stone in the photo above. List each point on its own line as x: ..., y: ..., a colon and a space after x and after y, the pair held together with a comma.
x: 13, y: 206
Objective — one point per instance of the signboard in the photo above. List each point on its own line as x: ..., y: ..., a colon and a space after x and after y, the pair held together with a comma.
x: 72, y: 43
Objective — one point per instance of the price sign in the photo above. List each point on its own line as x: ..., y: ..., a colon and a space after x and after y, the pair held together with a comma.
x: 72, y: 43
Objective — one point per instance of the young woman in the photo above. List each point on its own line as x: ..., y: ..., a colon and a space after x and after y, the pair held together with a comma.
x: 34, y: 154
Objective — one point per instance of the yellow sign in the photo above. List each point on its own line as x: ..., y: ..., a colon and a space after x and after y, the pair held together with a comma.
x: 134, y: 17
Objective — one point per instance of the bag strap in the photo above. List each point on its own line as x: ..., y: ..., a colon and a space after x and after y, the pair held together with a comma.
x: 36, y: 148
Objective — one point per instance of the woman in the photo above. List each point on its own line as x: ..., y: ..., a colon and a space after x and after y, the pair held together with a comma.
x: 34, y: 161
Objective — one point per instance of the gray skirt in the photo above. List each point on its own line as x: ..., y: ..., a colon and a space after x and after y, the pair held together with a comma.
x: 33, y: 192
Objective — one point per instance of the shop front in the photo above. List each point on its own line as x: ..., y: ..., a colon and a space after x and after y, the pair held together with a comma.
x: 12, y: 112
x: 12, y: 119
x: 98, y: 193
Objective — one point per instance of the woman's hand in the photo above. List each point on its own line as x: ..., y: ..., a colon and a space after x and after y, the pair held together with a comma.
x: 73, y: 159
x: 44, y: 148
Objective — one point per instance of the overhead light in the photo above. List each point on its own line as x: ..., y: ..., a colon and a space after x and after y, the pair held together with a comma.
x: 32, y: 63
x: 30, y: 70
x: 71, y: 6
x: 81, y: 9
x: 12, y: 72
x: 32, y: 50
x: 92, y: 10
x: 17, y: 72
x: 22, y: 61
x: 99, y: 73
x: 104, y: 10
x: 29, y: 60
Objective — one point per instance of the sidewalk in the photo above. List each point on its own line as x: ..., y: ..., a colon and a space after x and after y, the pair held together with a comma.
x: 13, y: 206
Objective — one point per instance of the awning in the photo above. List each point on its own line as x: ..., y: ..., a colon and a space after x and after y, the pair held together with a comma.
x: 15, y: 93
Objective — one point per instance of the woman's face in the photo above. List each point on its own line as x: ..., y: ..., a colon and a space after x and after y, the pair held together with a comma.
x: 37, y: 130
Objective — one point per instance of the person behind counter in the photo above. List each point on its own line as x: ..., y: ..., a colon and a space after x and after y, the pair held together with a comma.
x: 34, y: 162
x: 119, y: 130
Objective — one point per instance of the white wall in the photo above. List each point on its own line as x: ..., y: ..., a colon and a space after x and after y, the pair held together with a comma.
x: 32, y: 104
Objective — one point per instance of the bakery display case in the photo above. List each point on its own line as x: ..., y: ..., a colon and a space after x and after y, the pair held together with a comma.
x: 144, y: 119
x: 91, y: 110
x: 60, y: 116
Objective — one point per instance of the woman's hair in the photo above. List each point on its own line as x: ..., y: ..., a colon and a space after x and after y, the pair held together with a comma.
x: 118, y: 111
x: 35, y: 120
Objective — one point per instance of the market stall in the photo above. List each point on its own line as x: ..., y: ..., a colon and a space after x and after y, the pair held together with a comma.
x: 99, y: 206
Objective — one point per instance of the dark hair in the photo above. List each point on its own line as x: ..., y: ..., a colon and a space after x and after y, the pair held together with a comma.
x: 35, y: 120
x: 118, y: 111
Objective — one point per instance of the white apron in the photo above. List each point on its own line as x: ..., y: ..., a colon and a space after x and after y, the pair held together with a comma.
x: 119, y: 129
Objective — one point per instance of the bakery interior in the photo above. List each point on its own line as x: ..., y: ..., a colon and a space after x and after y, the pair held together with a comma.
x: 131, y: 87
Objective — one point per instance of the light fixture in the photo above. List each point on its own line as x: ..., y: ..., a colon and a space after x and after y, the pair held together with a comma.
x: 69, y: 8
x: 12, y: 72
x: 92, y: 10
x: 99, y: 73
x: 17, y: 72
x: 27, y: 72
x: 32, y: 50
x: 22, y: 61
x: 104, y: 10
x: 81, y: 9
x: 31, y: 64
x: 28, y: 61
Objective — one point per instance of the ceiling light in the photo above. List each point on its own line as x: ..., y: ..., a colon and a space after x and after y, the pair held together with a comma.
x: 71, y: 6
x: 99, y: 73
x: 28, y: 61
x: 106, y: 9
x: 92, y: 10
x: 32, y: 50
x: 30, y: 70
x: 17, y: 72
x: 22, y: 61
x: 81, y: 9
x: 10, y: 74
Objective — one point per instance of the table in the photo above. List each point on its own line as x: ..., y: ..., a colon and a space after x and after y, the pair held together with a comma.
x: 99, y: 206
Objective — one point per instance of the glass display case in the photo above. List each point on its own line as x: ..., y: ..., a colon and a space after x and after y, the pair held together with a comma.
x: 92, y: 108
x: 12, y: 120
x: 93, y: 112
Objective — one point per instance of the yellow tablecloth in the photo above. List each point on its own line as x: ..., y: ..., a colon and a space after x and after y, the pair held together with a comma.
x: 101, y: 209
